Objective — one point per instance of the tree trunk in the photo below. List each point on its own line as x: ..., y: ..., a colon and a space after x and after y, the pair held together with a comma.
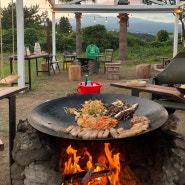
x: 181, y: 19
x: 123, y: 21
x: 78, y: 33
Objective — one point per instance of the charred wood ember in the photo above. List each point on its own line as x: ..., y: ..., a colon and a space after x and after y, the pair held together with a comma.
x: 84, y: 178
x: 72, y: 179
x: 91, y: 175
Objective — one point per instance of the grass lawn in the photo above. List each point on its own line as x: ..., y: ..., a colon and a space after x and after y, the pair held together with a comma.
x: 36, y: 80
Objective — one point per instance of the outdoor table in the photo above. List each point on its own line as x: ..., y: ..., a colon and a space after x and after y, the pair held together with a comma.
x: 29, y: 59
x: 9, y: 93
x: 151, y: 88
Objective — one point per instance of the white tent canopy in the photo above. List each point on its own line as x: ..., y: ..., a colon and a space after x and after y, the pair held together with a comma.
x: 73, y: 8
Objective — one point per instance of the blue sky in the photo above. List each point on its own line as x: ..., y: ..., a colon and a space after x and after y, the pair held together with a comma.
x: 165, y: 17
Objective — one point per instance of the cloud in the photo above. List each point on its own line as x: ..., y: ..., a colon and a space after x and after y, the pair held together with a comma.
x: 157, y: 17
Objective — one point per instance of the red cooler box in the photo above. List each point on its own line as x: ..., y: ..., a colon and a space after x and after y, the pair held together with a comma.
x: 94, y: 88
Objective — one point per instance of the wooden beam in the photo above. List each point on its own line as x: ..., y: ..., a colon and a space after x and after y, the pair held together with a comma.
x: 115, y: 9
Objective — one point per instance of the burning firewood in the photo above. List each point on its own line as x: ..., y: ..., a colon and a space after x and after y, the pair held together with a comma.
x: 84, y: 178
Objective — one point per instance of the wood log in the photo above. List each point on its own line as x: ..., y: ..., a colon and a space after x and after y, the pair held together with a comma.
x: 74, y: 72
x: 143, y: 71
x: 79, y: 177
x: 44, y: 67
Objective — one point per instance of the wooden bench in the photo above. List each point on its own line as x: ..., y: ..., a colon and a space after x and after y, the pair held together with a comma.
x: 171, y: 92
x: 1, y: 145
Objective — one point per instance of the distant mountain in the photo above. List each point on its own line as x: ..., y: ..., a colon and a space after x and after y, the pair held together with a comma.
x: 136, y: 25
x: 152, y: 27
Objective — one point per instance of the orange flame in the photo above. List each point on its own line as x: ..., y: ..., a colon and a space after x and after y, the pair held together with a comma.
x: 89, y: 162
x: 72, y: 165
x: 114, y: 165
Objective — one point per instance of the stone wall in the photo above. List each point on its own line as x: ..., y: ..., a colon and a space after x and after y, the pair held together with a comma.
x: 36, y: 158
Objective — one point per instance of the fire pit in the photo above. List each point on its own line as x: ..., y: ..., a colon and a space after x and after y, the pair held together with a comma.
x: 44, y: 154
x: 50, y: 117
x: 153, y: 158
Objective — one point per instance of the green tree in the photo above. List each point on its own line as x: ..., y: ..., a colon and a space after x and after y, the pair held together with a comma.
x: 64, y: 25
x: 162, y: 36
x: 99, y: 36
x: 7, y: 39
x: 78, y: 27
x: 65, y: 43
x: 32, y: 18
x: 30, y: 37
x: 94, y: 35
x: 7, y: 16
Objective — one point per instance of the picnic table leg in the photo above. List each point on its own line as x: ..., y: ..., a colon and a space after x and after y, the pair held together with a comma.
x: 36, y: 63
x: 48, y: 62
x: 12, y: 125
x: 29, y: 73
x: 12, y: 128
x: 135, y: 92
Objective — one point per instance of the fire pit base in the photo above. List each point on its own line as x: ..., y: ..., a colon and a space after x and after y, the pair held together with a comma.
x: 157, y: 157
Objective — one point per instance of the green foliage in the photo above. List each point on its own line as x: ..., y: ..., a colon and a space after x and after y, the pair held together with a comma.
x: 112, y: 41
x: 99, y: 36
x: 7, y: 16
x: 148, y: 51
x: 32, y: 24
x: 156, y: 44
x: 133, y: 41
x: 140, y: 46
x: 147, y: 37
x: 42, y: 39
x: 64, y: 26
x: 30, y: 37
x: 32, y: 19
x: 151, y: 51
x: 93, y: 35
x: 65, y: 43
x: 168, y: 42
x: 7, y: 40
x: 162, y: 36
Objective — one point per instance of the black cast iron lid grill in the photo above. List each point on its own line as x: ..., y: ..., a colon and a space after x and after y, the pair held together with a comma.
x: 51, y: 119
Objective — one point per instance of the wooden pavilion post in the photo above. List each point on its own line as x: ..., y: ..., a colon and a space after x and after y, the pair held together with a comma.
x: 78, y: 17
x: 20, y: 42
x: 123, y: 21
x: 48, y: 36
